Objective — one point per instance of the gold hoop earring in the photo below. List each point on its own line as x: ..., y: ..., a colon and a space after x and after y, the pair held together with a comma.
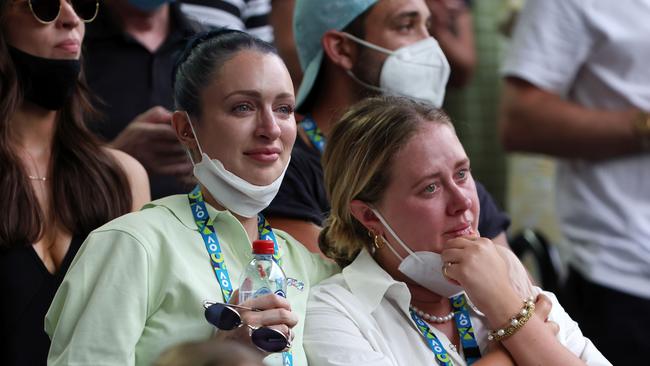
x: 378, y: 241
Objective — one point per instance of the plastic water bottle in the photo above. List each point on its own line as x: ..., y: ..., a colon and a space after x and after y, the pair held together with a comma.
x: 263, y: 275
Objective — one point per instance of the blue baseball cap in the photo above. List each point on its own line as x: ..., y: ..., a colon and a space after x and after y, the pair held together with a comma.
x: 311, y: 19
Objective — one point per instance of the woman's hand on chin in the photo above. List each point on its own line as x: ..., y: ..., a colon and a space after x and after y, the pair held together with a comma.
x: 478, y: 267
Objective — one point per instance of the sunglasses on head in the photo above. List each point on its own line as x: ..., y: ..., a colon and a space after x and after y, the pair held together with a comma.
x: 225, y: 317
x: 47, y: 11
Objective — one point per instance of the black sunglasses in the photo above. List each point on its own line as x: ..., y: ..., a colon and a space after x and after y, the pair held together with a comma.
x: 225, y: 317
x: 47, y: 11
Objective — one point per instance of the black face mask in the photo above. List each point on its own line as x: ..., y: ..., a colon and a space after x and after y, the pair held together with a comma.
x: 45, y: 82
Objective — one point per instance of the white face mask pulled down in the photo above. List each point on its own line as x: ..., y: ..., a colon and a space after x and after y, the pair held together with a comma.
x: 425, y: 268
x: 234, y: 193
x: 419, y: 70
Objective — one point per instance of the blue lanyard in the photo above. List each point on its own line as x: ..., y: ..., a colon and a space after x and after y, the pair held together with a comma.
x: 314, y: 133
x: 212, y: 245
x: 432, y: 340
x: 266, y: 233
x: 465, y: 331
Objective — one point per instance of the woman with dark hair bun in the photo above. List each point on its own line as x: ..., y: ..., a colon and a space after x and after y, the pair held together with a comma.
x: 139, y: 283
x: 57, y: 182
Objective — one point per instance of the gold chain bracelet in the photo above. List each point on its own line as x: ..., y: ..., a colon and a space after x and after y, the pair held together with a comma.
x: 516, y: 322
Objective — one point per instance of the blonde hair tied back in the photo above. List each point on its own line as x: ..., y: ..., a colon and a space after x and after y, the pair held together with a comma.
x: 357, y: 164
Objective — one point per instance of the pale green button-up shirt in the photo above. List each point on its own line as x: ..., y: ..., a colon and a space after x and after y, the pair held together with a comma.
x: 138, y: 283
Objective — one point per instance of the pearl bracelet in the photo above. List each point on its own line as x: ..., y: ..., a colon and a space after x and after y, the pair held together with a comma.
x: 515, y: 323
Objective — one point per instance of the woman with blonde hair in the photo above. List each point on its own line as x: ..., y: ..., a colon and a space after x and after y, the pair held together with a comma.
x: 403, y: 203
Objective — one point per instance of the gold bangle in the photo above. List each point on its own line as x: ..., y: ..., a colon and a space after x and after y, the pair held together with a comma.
x: 516, y: 322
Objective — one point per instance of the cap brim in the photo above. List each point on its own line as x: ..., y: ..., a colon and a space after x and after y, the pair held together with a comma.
x: 308, y: 80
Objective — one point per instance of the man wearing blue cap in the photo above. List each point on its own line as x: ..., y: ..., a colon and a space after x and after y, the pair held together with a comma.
x: 348, y: 50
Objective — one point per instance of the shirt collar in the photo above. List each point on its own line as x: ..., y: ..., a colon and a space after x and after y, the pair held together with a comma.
x: 179, y: 206
x: 370, y: 283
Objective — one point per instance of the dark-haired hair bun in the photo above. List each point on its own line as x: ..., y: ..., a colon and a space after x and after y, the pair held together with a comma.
x: 194, y: 41
x: 204, y: 54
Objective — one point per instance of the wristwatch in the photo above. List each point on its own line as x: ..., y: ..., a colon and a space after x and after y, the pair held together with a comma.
x: 642, y: 128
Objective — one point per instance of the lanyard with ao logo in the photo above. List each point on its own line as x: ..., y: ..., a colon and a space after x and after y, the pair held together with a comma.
x: 314, y: 133
x: 465, y: 331
x: 212, y: 245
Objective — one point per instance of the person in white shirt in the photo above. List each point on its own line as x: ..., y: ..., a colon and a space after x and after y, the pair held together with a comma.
x: 577, y: 87
x: 403, y: 203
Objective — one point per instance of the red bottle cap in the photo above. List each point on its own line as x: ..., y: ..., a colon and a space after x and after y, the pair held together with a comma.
x: 263, y: 247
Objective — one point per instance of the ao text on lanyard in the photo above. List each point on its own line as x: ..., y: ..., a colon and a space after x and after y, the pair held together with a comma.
x: 314, y: 134
x: 465, y: 332
x: 213, y: 246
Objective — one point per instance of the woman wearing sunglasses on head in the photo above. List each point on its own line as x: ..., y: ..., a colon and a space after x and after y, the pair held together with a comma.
x: 403, y: 203
x: 139, y: 283
x: 57, y: 182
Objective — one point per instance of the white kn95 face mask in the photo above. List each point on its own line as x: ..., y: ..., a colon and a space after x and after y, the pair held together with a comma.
x: 424, y: 268
x: 419, y: 70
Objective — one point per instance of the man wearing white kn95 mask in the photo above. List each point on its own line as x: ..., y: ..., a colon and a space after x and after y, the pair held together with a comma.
x: 349, y: 50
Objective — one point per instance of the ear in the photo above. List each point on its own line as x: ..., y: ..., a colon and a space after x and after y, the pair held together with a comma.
x: 341, y: 50
x: 183, y: 129
x: 363, y: 213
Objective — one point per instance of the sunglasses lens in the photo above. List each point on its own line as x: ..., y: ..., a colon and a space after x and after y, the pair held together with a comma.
x: 222, y: 317
x: 86, y: 9
x: 269, y: 339
x: 45, y: 10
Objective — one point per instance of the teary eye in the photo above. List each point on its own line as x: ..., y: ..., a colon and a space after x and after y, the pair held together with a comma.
x: 431, y: 188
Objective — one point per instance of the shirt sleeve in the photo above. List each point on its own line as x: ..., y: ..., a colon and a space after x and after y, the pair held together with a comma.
x: 99, y: 312
x: 551, y: 41
x: 323, y: 268
x: 256, y: 19
x: 492, y: 221
x: 333, y: 338
x: 518, y: 275
x: 214, y: 13
x: 251, y: 16
x: 314, y: 265
x: 571, y: 336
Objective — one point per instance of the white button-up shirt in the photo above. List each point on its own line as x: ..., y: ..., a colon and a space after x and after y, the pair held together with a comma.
x: 361, y: 317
